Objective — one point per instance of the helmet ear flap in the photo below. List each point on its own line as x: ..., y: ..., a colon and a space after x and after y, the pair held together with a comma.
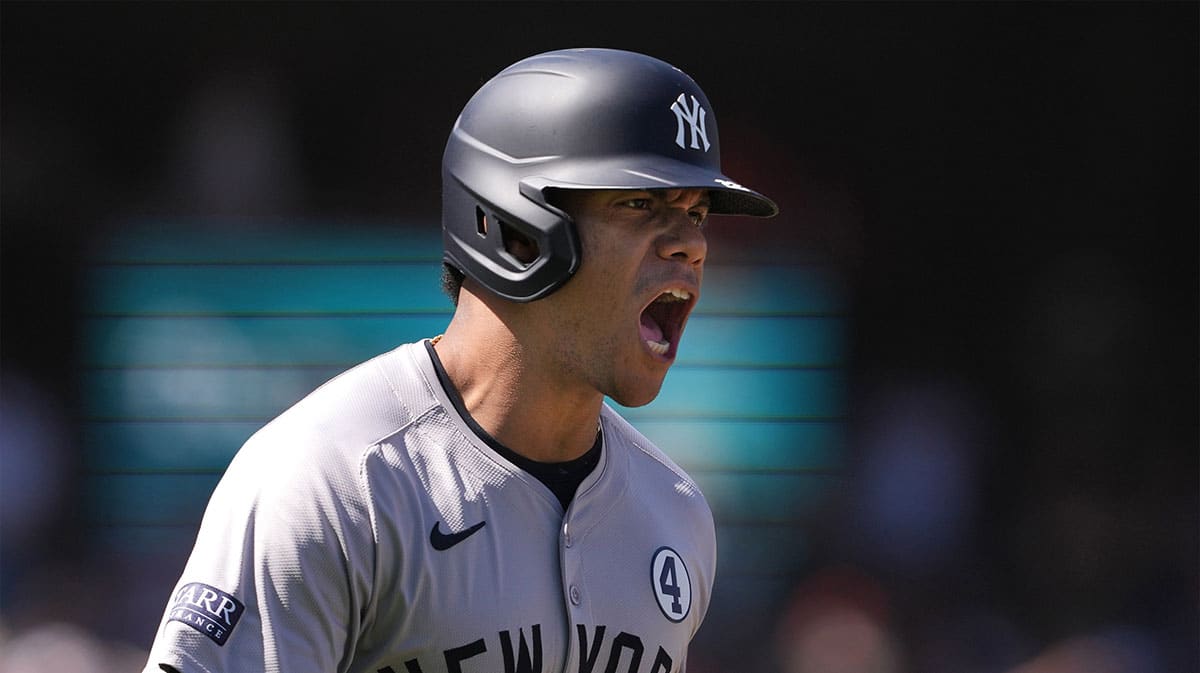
x: 521, y: 257
x: 519, y: 246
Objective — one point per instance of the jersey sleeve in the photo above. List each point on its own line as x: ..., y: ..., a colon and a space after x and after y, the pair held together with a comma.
x: 281, y: 573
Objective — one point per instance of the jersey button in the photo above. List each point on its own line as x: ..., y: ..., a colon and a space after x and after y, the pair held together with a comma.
x: 574, y: 593
x: 567, y: 540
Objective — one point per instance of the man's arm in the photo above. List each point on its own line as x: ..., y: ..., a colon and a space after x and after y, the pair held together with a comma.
x: 281, y: 566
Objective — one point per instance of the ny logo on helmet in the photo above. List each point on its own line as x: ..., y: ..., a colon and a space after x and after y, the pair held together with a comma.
x: 694, y: 117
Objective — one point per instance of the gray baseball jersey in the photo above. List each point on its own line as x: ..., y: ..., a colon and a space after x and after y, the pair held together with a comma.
x: 368, y: 529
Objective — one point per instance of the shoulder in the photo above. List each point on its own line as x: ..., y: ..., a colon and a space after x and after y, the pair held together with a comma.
x: 321, y: 443
x: 650, y: 469
x: 665, y: 499
x: 351, y: 411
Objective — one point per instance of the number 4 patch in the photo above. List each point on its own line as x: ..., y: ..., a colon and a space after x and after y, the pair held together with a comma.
x: 671, y: 583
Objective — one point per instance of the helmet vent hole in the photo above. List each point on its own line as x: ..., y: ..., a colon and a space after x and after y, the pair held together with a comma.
x: 481, y: 223
x: 520, y: 247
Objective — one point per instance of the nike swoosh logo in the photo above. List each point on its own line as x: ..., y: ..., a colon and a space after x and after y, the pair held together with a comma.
x: 443, y: 541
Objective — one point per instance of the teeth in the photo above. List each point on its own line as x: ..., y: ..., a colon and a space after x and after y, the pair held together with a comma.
x: 673, y: 295
x: 659, y: 347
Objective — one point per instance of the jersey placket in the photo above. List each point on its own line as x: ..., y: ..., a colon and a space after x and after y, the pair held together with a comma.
x: 580, y: 516
x: 572, y: 593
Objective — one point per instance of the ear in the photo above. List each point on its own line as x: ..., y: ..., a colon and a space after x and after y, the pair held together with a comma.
x: 523, y: 248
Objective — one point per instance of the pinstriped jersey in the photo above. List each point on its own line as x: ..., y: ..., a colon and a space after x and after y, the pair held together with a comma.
x: 368, y: 530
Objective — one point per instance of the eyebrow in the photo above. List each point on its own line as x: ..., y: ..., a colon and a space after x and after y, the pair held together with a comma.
x: 705, y: 199
x: 704, y: 202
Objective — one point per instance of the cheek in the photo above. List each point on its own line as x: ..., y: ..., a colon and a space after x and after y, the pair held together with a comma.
x: 604, y: 290
x: 604, y: 282
x: 594, y: 320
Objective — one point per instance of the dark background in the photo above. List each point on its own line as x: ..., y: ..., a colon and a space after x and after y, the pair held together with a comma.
x: 1008, y: 190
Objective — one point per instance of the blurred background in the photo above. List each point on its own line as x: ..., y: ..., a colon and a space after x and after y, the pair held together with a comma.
x: 945, y: 406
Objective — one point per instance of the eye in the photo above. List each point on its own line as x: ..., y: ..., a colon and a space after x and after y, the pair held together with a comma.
x: 699, y: 216
x: 637, y: 204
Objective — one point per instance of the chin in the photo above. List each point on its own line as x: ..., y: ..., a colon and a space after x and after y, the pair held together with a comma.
x: 638, y: 395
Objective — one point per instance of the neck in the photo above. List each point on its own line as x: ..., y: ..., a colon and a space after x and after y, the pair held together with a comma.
x: 513, y: 389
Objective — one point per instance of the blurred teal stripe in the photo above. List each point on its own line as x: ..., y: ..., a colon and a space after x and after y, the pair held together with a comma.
x: 706, y: 445
x: 765, y: 498
x: 289, y: 289
x: 237, y: 241
x: 248, y: 342
x: 770, y: 290
x: 148, y: 499
x: 189, y: 290
x: 345, y: 340
x: 244, y: 394
x: 756, y: 341
x: 160, y: 539
x: 178, y: 499
x: 767, y: 394
x: 697, y: 445
x: 197, y: 394
x: 205, y: 446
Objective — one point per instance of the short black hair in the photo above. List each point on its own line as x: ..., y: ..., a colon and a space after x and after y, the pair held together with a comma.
x: 452, y: 280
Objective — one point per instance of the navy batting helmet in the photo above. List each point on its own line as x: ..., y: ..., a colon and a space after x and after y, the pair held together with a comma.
x: 571, y: 119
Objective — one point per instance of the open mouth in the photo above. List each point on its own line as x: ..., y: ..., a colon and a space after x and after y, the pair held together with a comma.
x: 661, y: 322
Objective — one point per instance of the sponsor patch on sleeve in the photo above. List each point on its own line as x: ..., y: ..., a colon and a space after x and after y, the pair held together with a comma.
x: 206, y: 609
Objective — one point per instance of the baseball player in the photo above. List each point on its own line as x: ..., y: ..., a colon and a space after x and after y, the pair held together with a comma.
x: 469, y: 503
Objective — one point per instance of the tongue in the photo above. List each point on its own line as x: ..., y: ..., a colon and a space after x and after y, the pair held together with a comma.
x: 650, y: 330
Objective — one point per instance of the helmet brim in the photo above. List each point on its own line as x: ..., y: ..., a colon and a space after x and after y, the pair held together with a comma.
x: 727, y: 197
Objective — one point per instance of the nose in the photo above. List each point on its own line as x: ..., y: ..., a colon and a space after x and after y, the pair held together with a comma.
x: 683, y: 240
